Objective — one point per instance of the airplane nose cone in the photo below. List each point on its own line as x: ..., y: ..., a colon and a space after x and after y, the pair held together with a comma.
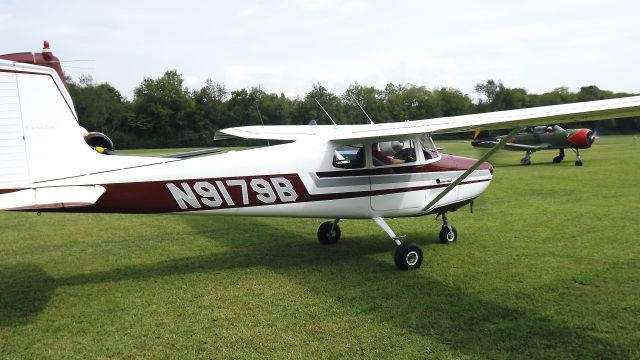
x: 582, y: 138
x: 486, y: 165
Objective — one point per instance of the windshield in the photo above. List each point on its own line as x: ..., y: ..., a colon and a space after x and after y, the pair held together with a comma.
x: 428, y: 147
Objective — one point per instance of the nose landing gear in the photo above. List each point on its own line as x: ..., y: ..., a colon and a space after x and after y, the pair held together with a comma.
x: 448, y: 234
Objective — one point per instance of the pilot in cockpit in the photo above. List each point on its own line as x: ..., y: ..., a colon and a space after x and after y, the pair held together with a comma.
x: 379, y: 158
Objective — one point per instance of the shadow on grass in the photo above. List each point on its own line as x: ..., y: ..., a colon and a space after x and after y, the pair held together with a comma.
x: 348, y: 274
x: 25, y: 290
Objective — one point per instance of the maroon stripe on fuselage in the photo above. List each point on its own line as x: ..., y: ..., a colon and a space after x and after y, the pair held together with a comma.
x: 155, y: 197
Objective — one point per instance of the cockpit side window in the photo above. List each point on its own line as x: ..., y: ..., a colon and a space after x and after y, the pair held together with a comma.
x: 393, y: 152
x: 349, y: 156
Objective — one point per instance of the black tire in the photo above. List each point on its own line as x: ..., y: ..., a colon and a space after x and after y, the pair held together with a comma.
x: 408, y: 256
x: 578, y: 162
x: 557, y: 159
x: 328, y: 234
x: 448, y: 237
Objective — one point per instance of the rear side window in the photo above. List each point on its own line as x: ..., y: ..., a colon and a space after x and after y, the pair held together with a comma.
x: 349, y: 156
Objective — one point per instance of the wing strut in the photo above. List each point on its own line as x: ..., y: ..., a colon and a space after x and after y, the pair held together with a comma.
x: 471, y: 169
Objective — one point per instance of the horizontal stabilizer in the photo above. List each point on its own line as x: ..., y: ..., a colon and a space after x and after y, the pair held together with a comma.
x: 51, y: 197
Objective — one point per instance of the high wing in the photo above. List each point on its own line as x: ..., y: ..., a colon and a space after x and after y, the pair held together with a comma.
x: 512, y: 146
x: 555, y: 114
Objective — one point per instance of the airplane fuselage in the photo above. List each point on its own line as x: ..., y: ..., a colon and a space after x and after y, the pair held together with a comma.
x: 270, y: 181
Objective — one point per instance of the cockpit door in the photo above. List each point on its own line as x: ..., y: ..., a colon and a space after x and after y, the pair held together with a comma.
x: 397, y: 170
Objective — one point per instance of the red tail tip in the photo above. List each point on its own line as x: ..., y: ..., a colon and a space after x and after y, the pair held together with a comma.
x: 45, y: 46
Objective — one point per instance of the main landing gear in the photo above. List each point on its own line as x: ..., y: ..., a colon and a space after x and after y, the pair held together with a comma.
x: 329, y: 232
x: 408, y: 256
x: 559, y: 158
x: 526, y: 160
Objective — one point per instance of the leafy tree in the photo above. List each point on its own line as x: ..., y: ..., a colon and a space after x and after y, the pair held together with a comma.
x: 369, y: 98
x: 210, y: 110
x: 309, y: 110
x: 452, y: 102
x: 100, y: 107
x: 164, y: 113
x: 163, y: 108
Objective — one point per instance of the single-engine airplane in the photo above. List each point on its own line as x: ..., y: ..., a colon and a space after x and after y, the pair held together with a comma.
x: 544, y: 138
x: 324, y: 171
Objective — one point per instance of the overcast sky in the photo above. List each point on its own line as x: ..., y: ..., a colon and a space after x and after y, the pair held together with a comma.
x: 286, y: 46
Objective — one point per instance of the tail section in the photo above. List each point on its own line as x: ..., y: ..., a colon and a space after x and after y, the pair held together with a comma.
x: 40, y: 138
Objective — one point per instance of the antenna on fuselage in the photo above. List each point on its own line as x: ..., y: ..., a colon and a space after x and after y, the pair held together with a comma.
x: 260, y: 116
x: 357, y: 103
x: 325, y: 111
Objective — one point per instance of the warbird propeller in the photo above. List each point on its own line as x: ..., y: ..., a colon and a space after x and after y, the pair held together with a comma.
x: 372, y: 171
x: 544, y: 138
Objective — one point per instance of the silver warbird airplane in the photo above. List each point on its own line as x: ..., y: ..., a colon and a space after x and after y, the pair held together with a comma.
x: 372, y: 171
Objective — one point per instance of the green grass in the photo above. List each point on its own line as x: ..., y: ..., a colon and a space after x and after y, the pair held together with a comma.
x: 548, y: 266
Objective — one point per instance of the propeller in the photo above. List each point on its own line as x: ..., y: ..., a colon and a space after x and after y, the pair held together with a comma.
x: 592, y: 136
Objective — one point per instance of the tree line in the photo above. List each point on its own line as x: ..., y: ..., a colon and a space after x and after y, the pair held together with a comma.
x: 165, y: 113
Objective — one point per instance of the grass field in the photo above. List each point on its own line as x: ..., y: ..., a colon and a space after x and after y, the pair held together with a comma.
x: 547, y: 266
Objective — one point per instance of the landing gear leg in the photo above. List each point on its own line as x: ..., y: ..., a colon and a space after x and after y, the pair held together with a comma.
x: 408, y: 256
x: 448, y: 234
x: 329, y: 232
x: 559, y: 158
x: 526, y: 160
x: 579, y: 160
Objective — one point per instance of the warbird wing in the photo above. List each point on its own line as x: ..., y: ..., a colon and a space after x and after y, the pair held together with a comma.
x: 511, y: 146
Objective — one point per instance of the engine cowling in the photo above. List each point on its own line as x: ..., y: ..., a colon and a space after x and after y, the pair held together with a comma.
x: 583, y: 138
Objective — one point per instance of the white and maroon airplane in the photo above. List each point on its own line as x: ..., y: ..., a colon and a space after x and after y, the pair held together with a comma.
x: 325, y: 171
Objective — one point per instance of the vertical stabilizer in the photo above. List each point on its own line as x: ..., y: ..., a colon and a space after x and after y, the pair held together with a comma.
x: 40, y: 138
x: 14, y: 172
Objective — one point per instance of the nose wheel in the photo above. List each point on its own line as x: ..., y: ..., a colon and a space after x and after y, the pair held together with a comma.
x: 448, y: 234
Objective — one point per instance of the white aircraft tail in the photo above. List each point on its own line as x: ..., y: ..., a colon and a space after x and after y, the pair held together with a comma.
x: 40, y: 138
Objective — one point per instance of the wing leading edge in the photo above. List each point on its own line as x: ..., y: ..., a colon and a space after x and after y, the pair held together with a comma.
x: 555, y: 114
